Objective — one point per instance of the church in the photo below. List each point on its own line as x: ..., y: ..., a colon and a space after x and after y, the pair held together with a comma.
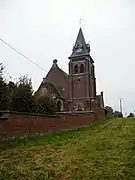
x: 75, y: 91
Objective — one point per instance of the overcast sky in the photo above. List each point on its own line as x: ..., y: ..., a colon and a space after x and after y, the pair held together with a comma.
x: 46, y: 29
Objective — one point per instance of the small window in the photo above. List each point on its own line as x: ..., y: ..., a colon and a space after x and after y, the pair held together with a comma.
x: 81, y: 68
x: 76, y: 69
x: 59, y: 105
x: 79, y: 108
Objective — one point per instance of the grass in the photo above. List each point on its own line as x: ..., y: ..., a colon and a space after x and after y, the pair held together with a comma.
x: 103, y: 151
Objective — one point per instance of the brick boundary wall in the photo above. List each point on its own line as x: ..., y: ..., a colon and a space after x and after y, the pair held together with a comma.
x: 18, y: 124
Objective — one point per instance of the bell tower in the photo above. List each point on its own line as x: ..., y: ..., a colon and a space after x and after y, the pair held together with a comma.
x: 82, y: 82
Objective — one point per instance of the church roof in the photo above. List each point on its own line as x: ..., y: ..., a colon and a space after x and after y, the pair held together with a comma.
x: 80, y: 48
x: 55, y: 90
x: 55, y: 66
x: 59, y: 78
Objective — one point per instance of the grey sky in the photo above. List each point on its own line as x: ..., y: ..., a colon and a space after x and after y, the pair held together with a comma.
x: 46, y: 29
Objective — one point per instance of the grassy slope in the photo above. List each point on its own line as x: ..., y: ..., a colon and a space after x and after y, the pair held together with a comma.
x: 101, y: 151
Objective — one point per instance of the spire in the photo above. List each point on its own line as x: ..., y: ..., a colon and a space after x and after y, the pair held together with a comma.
x: 80, y: 48
x: 80, y: 38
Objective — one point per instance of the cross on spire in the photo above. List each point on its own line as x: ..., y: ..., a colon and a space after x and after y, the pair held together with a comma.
x: 80, y: 22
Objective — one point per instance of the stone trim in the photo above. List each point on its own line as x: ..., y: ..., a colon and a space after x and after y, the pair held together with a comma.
x: 7, y: 113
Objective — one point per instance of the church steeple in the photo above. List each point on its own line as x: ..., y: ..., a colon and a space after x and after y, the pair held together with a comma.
x: 80, y: 48
x: 80, y: 38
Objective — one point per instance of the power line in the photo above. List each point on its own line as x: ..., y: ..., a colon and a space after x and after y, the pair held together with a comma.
x: 21, y: 54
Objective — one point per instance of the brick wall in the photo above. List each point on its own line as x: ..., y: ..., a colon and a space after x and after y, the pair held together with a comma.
x: 100, y: 113
x: 17, y: 124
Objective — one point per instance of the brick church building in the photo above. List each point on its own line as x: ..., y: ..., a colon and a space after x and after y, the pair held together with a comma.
x: 75, y: 91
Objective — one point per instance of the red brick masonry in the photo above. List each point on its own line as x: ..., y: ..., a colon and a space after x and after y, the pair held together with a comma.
x: 17, y: 124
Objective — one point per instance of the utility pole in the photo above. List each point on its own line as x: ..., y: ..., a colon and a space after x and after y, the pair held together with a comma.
x: 121, y: 105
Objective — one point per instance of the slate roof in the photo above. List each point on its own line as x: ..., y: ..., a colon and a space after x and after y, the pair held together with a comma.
x: 80, y: 44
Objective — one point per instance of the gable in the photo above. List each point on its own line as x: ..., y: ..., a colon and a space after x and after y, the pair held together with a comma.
x: 48, y: 89
x: 59, y: 78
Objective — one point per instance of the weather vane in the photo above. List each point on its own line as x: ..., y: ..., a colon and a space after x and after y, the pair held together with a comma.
x: 80, y: 22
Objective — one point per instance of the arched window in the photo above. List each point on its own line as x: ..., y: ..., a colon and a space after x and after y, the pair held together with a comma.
x: 76, y: 69
x: 81, y: 68
x: 59, y: 105
x: 79, y: 107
